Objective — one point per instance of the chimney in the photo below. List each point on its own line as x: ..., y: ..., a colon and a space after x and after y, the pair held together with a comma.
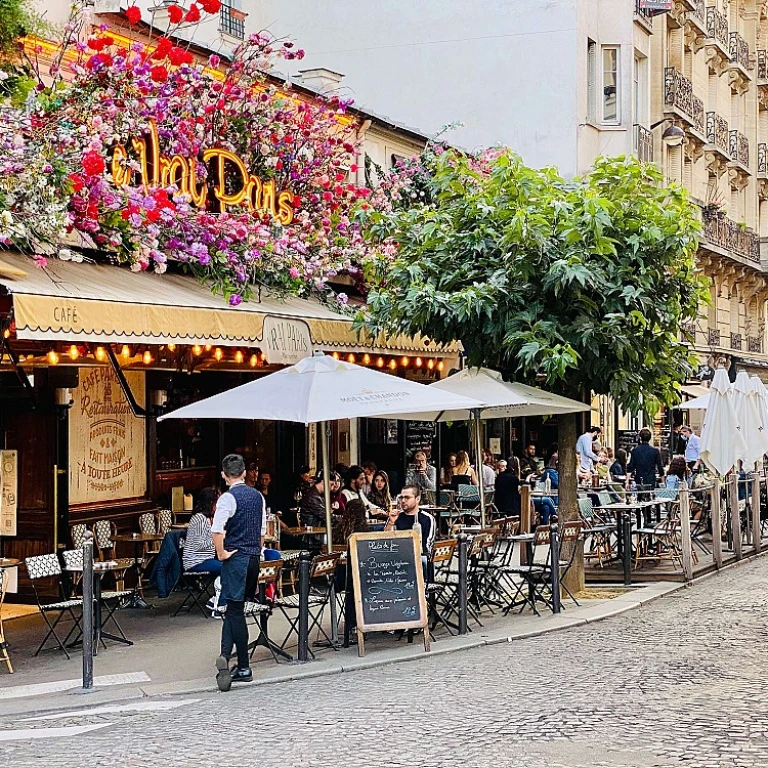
x: 321, y: 79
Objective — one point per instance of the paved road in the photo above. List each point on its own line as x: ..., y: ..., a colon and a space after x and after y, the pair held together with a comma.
x: 682, y: 681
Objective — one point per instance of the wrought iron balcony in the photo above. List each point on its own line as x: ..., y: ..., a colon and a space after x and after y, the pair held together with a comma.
x: 762, y: 64
x: 678, y: 93
x: 699, y: 12
x: 717, y: 132
x: 717, y: 27
x: 738, y: 147
x: 754, y: 344
x: 232, y: 20
x: 722, y: 232
x: 689, y: 332
x: 739, y: 50
x: 713, y: 337
x: 643, y: 144
x: 736, y: 341
x: 644, y: 15
x: 762, y: 160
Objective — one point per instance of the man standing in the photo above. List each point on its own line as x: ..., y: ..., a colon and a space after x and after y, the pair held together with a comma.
x: 239, y: 514
x: 692, y: 448
x: 587, y: 455
x: 422, y: 474
x: 645, y: 461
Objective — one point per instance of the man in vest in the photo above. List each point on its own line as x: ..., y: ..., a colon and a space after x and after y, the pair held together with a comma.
x: 239, y: 514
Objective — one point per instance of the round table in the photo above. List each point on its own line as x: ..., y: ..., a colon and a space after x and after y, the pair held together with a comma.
x: 136, y: 600
x: 9, y: 562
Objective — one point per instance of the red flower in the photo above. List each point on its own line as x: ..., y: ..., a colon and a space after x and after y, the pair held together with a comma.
x: 175, y: 14
x: 97, y: 43
x: 211, y: 6
x: 93, y: 164
x: 193, y: 14
x: 164, y: 47
x: 159, y: 73
x: 133, y: 14
x: 78, y: 182
x: 177, y: 56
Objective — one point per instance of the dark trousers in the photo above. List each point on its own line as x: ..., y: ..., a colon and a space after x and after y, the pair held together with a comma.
x: 234, y: 632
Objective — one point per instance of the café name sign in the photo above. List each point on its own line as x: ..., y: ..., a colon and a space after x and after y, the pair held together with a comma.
x: 233, y: 184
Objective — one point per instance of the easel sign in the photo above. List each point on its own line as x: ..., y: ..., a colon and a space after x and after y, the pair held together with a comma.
x: 388, y: 582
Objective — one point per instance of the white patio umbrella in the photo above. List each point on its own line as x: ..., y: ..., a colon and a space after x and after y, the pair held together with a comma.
x: 502, y: 399
x: 696, y: 404
x: 319, y: 389
x: 722, y: 440
x: 749, y: 406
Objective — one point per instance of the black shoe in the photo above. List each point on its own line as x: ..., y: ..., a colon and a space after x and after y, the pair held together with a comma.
x: 223, y: 675
x: 242, y: 675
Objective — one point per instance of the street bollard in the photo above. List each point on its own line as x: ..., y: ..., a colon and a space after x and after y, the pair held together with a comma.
x: 626, y: 554
x: 305, y: 566
x: 463, y: 557
x: 88, y: 629
x: 554, y: 557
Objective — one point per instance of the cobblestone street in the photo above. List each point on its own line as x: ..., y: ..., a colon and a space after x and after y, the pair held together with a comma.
x: 678, y: 682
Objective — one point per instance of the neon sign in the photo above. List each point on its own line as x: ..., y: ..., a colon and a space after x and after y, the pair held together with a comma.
x: 232, y: 183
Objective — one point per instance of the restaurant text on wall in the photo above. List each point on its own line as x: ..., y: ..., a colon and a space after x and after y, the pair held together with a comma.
x: 9, y: 493
x: 107, y: 442
x: 285, y: 341
x: 232, y: 183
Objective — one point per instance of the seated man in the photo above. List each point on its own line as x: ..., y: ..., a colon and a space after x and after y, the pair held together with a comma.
x: 421, y: 474
x: 404, y: 518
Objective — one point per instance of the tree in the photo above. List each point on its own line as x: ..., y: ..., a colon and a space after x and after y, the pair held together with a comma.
x: 572, y: 285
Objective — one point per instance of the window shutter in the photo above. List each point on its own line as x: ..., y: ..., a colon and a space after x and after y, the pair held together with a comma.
x: 591, y: 80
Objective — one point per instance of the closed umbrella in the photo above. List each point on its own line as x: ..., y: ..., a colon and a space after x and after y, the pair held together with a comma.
x: 722, y: 441
x: 759, y: 394
x: 749, y: 417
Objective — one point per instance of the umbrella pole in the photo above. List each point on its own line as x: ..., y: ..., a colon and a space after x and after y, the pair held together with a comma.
x: 479, y: 462
x: 326, y: 485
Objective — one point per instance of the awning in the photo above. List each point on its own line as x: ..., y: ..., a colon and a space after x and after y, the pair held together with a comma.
x: 694, y: 390
x: 86, y: 302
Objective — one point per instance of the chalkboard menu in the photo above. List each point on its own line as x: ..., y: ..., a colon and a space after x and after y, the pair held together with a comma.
x: 627, y: 439
x: 388, y: 583
x: 419, y: 436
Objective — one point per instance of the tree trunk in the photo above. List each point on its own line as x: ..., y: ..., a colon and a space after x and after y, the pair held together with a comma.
x: 568, y: 507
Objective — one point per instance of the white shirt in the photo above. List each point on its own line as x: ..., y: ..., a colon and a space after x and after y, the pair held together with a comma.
x: 489, y: 478
x: 692, y: 448
x: 226, y: 506
x: 584, y: 449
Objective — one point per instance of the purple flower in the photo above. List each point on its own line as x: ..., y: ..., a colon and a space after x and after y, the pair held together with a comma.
x: 235, y: 299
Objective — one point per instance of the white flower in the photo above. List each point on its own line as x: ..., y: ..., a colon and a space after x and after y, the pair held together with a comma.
x: 65, y: 254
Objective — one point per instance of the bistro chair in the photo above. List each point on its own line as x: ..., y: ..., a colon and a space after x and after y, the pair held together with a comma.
x: 77, y: 535
x: 198, y: 589
x: 4, y: 655
x: 323, y: 570
x: 148, y: 527
x: 533, y: 584
x: 165, y: 520
x: 442, y: 556
x: 104, y: 532
x: 45, y: 567
x: 468, y: 500
x: 597, y: 534
x: 261, y: 610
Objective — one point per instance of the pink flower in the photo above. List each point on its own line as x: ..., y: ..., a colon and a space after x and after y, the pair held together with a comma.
x: 294, y: 273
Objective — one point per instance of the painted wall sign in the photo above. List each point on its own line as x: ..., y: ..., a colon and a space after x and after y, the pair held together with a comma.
x: 232, y: 183
x: 9, y: 492
x: 656, y: 5
x: 285, y: 341
x: 107, y: 443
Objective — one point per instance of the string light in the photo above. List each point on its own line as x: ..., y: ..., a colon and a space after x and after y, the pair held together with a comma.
x: 380, y: 362
x: 238, y: 356
x: 392, y: 364
x: 147, y: 358
x: 430, y: 364
x: 74, y: 352
x: 263, y: 357
x: 208, y: 347
x: 419, y: 362
x: 335, y: 355
x: 53, y: 358
x: 350, y: 358
x: 440, y: 365
x: 101, y: 354
x: 125, y: 351
x: 366, y: 359
x: 253, y: 361
x: 405, y: 362
x: 197, y: 350
x: 22, y: 358
x: 171, y: 347
x: 6, y: 334
x: 218, y: 354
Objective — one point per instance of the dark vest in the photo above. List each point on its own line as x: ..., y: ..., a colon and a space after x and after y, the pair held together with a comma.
x: 243, y: 529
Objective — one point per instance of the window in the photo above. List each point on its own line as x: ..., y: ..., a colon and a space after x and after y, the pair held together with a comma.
x: 640, y: 90
x: 591, y: 80
x: 231, y: 19
x: 610, y: 85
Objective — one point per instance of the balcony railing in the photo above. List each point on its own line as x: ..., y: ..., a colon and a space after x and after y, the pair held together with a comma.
x: 713, y: 337
x: 699, y: 12
x: 643, y: 13
x: 738, y: 147
x: 725, y: 233
x: 689, y: 331
x: 717, y: 27
x: 739, y: 51
x: 717, y: 132
x: 231, y: 20
x: 643, y: 144
x: 762, y: 65
x: 736, y: 341
x: 754, y: 344
x: 762, y: 159
x: 678, y: 93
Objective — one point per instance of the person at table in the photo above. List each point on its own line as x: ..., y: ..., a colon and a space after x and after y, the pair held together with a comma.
x: 263, y: 486
x: 501, y: 466
x: 312, y: 504
x: 448, y: 471
x: 529, y: 464
x: 199, y: 554
x: 421, y: 473
x: 369, y: 470
x: 252, y: 474
x: 380, y: 495
x: 645, y: 461
x: 546, y: 506
x: 338, y: 500
x: 403, y: 519
x: 692, y: 447
x: 507, y: 498
x: 240, y: 515
x: 489, y: 477
x: 352, y: 520
x: 677, y: 473
x: 601, y: 467
x: 587, y: 456
x: 463, y: 472
x: 353, y: 489
x: 618, y: 469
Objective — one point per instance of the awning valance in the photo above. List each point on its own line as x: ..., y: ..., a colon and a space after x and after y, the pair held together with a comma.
x: 86, y: 302
x: 694, y: 390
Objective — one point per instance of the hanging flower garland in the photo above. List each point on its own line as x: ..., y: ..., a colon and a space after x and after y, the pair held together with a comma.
x: 155, y: 156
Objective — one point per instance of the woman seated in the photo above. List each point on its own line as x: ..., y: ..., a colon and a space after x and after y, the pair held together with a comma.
x: 380, y: 495
x: 199, y: 553
x: 677, y: 473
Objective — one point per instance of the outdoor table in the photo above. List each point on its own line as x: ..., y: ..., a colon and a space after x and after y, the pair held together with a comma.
x: 99, y: 569
x: 9, y: 562
x: 136, y: 600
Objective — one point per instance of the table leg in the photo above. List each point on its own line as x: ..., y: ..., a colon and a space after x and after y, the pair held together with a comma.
x: 97, y: 614
x: 136, y: 600
x: 625, y: 525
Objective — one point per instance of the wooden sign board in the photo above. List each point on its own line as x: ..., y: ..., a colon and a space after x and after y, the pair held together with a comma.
x: 388, y: 581
x: 9, y: 492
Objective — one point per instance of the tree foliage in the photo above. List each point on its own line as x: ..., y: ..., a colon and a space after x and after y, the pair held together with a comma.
x: 574, y: 284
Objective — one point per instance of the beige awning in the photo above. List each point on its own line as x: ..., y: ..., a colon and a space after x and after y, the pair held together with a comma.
x: 694, y: 390
x: 101, y: 303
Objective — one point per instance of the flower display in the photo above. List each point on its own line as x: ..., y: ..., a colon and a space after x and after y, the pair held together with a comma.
x: 158, y: 157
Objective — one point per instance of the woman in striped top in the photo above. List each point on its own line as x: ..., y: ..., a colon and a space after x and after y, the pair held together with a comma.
x: 199, y: 552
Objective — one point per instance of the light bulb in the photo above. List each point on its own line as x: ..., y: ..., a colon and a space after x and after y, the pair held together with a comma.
x: 440, y: 365
x: 197, y: 350
x: 350, y: 358
x: 392, y: 364
x: 253, y: 361
x: 380, y: 362
x: 171, y: 347
x: 146, y: 358
x: 430, y: 364
x: 125, y: 351
x: 335, y: 355
x: 101, y: 354
x: 238, y: 356
x: 208, y: 347
x: 53, y: 358
x: 6, y: 334
x: 366, y: 359
x: 74, y: 352
x: 419, y: 362
x: 404, y: 362
x: 218, y: 354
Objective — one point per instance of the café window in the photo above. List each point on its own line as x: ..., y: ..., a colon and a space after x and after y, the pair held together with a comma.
x: 232, y: 19
x: 610, y: 84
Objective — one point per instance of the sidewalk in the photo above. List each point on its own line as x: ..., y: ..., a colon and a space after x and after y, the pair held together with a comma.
x: 175, y: 655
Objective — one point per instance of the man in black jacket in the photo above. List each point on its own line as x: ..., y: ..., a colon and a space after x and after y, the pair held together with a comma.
x: 645, y: 461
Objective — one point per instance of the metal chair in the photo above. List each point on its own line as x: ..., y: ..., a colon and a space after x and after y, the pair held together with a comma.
x: 44, y: 567
x: 4, y: 655
x: 77, y: 535
x: 442, y: 555
x: 261, y: 610
x: 104, y: 532
x: 197, y: 586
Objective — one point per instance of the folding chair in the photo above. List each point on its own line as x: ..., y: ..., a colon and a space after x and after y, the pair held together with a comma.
x: 104, y: 532
x: 442, y: 555
x: 323, y: 568
x: 148, y: 526
x: 4, y: 655
x: 596, y: 532
x: 197, y: 586
x: 165, y: 521
x: 43, y: 567
x: 533, y: 576
x: 448, y: 599
x: 261, y: 611
x: 570, y: 533
x: 468, y: 500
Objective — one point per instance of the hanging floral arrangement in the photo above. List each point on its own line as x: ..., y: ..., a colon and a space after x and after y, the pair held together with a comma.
x: 156, y: 156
